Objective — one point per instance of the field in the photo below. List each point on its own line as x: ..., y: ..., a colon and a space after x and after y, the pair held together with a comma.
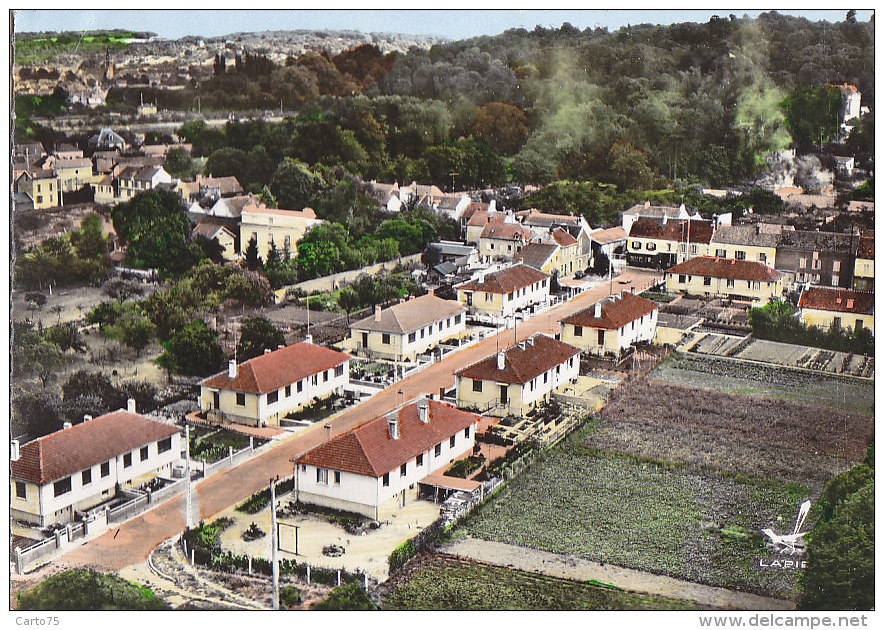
x: 763, y: 436
x: 442, y: 583
x: 760, y: 380
x: 694, y: 524
x: 39, y: 49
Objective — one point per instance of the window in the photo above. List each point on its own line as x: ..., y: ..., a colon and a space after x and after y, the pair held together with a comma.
x: 836, y: 265
x: 762, y: 257
x: 457, y: 319
x: 721, y: 253
x: 651, y: 246
x: 636, y: 245
x: 322, y: 475
x: 272, y: 397
x: 105, y: 469
x: 802, y: 262
x: 730, y: 283
x: 403, y: 469
x: 419, y: 460
x: 62, y: 486
x: 477, y: 385
x: 412, y: 337
x: 386, y: 480
x: 423, y: 332
x: 682, y: 278
x: 164, y: 445
x: 364, y: 339
x: 818, y: 263
x: 337, y: 477
x: 241, y: 399
x: 466, y: 432
x: 86, y: 477
x: 578, y: 331
x: 488, y: 297
x: 546, y: 377
x: 385, y: 339
x: 756, y: 285
x: 127, y: 460
x: 509, y: 296
x: 438, y: 450
x: 339, y: 370
x: 707, y: 281
x: 326, y: 375
x: 142, y: 454
x: 859, y: 325
x: 601, y: 337
x: 300, y: 386
x: 451, y: 441
x: 21, y: 490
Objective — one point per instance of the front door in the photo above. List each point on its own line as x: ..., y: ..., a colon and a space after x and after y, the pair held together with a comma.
x: 365, y: 340
x: 503, y: 395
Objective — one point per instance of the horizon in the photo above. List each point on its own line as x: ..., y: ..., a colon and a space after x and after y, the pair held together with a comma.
x: 459, y: 23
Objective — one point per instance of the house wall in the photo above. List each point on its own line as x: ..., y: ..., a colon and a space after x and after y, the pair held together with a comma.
x: 401, y: 348
x: 74, y: 178
x: 275, y: 228
x: 257, y: 410
x: 368, y: 495
x: 497, y: 248
x: 817, y: 267
x: 60, y: 509
x: 484, y: 303
x: 824, y: 319
x: 655, y: 252
x: 759, y: 292
x: 104, y: 193
x: 228, y: 245
x: 44, y: 192
x: 615, y: 340
x: 521, y: 397
x: 755, y: 253
x: 864, y: 274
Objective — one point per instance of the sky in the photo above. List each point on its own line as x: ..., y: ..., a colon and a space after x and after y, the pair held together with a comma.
x: 450, y: 24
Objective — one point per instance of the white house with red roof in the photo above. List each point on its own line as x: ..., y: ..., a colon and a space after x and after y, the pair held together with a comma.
x: 503, y: 292
x: 378, y: 466
x: 612, y: 324
x: 81, y: 466
x: 260, y: 391
x: 824, y: 307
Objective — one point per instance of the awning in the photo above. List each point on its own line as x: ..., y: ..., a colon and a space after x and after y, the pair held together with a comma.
x: 438, y: 480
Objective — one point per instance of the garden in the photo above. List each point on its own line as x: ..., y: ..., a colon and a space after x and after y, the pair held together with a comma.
x: 211, y: 445
x: 444, y: 583
x: 695, y: 524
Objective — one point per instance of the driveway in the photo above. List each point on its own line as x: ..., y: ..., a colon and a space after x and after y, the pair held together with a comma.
x: 132, y: 541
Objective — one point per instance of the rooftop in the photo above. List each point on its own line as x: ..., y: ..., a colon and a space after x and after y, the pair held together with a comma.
x: 523, y: 361
x: 698, y: 231
x: 609, y: 235
x: 616, y: 312
x: 410, y: 315
x: 536, y: 254
x: 758, y: 235
x: 833, y: 242
x: 506, y: 280
x: 508, y: 231
x: 726, y: 268
x: 838, y: 300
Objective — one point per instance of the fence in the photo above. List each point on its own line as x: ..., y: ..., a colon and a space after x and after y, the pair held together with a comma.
x: 127, y: 509
x: 233, y: 458
x: 30, y: 557
x: 167, y: 491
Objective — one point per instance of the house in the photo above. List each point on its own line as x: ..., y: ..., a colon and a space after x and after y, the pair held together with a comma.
x: 30, y: 151
x: 260, y: 391
x: 412, y: 327
x: 226, y: 237
x: 542, y: 256
x: 73, y: 172
x: 107, y: 139
x: 511, y: 382
x: 67, y: 151
x: 453, y: 205
x: 272, y: 227
x: 756, y: 242
x: 208, y: 187
x: 568, y: 259
x: 825, y: 307
x: 864, y: 267
x: 378, y: 466
x: 726, y: 277
x: 500, y: 240
x: 845, y: 166
x: 103, y: 186
x: 42, y: 186
x: 611, y: 325
x: 81, y: 466
x: 648, y: 211
x: 823, y: 258
x: 451, y: 251
x: 134, y: 180
x: 503, y: 292
x: 661, y: 243
x: 477, y: 218
x: 608, y: 241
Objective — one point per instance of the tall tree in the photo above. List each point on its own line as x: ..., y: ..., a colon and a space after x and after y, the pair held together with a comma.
x: 257, y: 335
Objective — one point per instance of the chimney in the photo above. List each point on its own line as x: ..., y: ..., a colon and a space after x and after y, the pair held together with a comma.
x: 423, y: 411
x: 66, y: 425
x: 598, y: 310
x: 402, y: 300
x: 377, y: 312
x: 393, y: 425
x: 130, y: 405
x: 87, y: 418
x: 647, y: 204
x: 14, y: 453
x: 308, y: 338
x: 232, y: 370
x: 501, y: 360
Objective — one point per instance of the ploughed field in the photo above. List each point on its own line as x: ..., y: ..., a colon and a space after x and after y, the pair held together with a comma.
x: 692, y: 523
x: 828, y: 390
x: 444, y: 583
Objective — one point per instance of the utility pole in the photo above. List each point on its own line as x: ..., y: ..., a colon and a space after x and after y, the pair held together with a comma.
x: 274, y: 544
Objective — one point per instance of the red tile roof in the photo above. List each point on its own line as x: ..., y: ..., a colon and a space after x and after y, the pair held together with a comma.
x: 726, y: 268
x: 508, y: 231
x: 616, y: 313
x: 411, y: 315
x: 483, y: 216
x: 524, y: 361
x: 608, y: 235
x: 672, y: 230
x: 369, y: 449
x: 506, y: 280
x: 563, y: 237
x: 838, y: 300
x: 274, y: 370
x: 84, y: 445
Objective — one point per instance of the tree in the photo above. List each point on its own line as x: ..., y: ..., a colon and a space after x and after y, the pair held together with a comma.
x: 600, y: 264
x: 179, y: 164
x: 86, y: 589
x: 504, y: 126
x: 318, y: 259
x: 256, y: 335
x: 156, y: 229
x: 813, y: 113
x: 193, y: 351
x: 42, y: 358
x: 629, y: 167
x: 137, y: 330
x: 347, y: 597
x: 38, y: 414
x: 251, y: 257
x: 294, y: 184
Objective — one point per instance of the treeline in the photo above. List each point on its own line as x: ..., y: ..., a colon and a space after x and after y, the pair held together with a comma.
x: 776, y: 321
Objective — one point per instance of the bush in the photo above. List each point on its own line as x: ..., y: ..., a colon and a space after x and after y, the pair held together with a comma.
x: 289, y: 596
x: 347, y: 597
x: 85, y: 589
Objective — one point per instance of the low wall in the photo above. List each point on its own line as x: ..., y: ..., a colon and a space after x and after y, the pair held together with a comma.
x: 336, y: 280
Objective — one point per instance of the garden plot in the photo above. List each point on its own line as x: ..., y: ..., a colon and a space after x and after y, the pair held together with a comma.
x: 444, y: 583
x: 700, y: 526
x: 740, y: 377
x: 748, y: 434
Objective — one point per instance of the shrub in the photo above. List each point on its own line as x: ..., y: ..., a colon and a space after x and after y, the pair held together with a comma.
x: 347, y: 597
x: 289, y: 596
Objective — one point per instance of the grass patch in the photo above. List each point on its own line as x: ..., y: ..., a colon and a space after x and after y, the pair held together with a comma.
x: 211, y: 445
x: 39, y: 49
x: 447, y: 584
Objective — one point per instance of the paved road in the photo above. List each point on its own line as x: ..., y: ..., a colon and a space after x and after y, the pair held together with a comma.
x: 131, y: 542
x: 575, y: 568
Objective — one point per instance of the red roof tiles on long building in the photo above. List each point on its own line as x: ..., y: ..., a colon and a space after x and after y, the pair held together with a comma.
x: 726, y: 268
x: 838, y: 300
x: 369, y: 449
x: 84, y: 445
x: 524, y: 361
x: 672, y: 230
x: 615, y: 313
x: 506, y: 280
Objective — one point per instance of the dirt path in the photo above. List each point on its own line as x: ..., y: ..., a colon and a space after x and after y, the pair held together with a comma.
x: 132, y: 541
x: 574, y: 568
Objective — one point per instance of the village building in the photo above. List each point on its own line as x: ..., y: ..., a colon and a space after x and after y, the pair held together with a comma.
x: 864, y: 268
x: 41, y: 185
x: 379, y: 466
x: 825, y: 307
x: 513, y: 381
x: 208, y: 188
x: 134, y: 180
x: 272, y: 227
x: 612, y: 324
x: 503, y: 292
x: 226, y: 236
x: 500, y: 240
x: 756, y: 242
x: 648, y: 210
x: 661, y: 243
x: 81, y: 466
x: 262, y: 390
x: 608, y: 241
x: 821, y: 258
x: 405, y: 330
x: 107, y: 139
x: 709, y: 276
